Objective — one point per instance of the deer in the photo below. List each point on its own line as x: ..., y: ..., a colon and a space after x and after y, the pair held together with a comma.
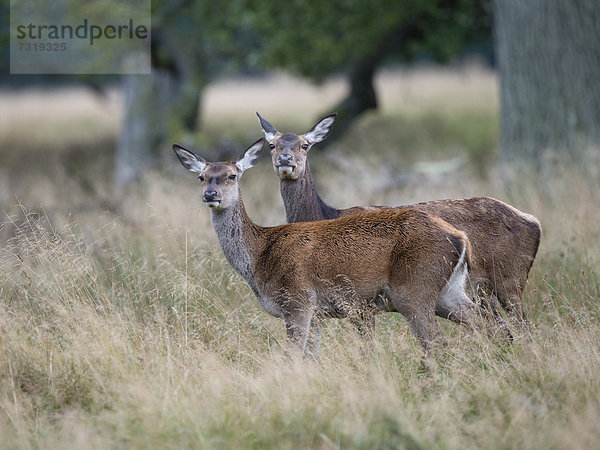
x: 504, y: 240
x: 403, y: 260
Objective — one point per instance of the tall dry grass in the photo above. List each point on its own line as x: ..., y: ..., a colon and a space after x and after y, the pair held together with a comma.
x: 144, y: 336
x: 128, y: 328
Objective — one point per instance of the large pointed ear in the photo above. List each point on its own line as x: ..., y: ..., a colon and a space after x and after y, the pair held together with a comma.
x: 250, y: 156
x: 267, y: 128
x: 321, y: 129
x: 189, y: 159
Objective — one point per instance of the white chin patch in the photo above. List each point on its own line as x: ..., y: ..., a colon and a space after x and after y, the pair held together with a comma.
x: 285, y: 170
x: 214, y: 204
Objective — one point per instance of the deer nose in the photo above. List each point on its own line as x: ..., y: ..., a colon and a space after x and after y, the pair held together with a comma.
x: 285, y: 159
x: 209, y: 196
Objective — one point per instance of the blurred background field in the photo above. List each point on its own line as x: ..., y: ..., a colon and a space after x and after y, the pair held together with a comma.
x: 122, y: 325
x: 431, y: 121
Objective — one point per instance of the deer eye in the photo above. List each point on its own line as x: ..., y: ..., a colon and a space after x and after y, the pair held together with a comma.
x: 304, y: 146
x: 201, y: 178
x: 271, y: 146
x: 232, y: 177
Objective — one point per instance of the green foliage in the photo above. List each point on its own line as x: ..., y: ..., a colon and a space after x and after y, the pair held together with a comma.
x: 316, y: 38
x: 214, y: 37
x: 429, y: 135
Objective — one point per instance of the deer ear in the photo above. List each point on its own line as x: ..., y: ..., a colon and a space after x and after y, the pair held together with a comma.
x: 321, y: 129
x: 267, y: 128
x: 250, y: 156
x: 189, y: 159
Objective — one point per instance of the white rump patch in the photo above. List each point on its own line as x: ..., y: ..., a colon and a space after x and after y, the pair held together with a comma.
x: 454, y: 295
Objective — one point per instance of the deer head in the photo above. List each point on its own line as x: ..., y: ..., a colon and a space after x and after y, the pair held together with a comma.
x: 219, y: 180
x: 289, y: 150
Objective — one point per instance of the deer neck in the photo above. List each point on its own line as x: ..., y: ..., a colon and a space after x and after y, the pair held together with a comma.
x: 240, y: 239
x: 302, y: 202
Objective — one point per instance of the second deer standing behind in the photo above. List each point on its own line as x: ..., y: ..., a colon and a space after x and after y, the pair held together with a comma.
x: 504, y: 240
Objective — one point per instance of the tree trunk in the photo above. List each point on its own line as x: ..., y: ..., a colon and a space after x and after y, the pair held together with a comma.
x: 362, y: 95
x: 156, y: 106
x: 361, y: 98
x: 548, y: 54
x: 144, y: 126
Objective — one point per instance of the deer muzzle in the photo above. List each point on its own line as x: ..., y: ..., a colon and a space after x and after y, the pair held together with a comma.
x: 210, y: 199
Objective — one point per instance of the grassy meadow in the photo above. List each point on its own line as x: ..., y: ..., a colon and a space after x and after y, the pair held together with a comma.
x: 122, y: 325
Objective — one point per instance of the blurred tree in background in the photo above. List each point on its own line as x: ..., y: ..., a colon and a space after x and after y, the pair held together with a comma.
x: 316, y: 39
x: 548, y: 53
x: 549, y: 62
x: 192, y: 42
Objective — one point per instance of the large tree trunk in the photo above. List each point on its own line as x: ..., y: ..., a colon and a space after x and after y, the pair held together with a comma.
x: 144, y: 125
x: 156, y: 106
x: 362, y: 95
x: 548, y: 54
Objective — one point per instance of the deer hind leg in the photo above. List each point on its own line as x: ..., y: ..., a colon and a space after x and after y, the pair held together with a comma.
x: 509, y: 283
x: 490, y: 307
x: 509, y: 292
x: 419, y: 311
x: 425, y: 326
x: 459, y: 309
x: 462, y: 310
x: 365, y: 325
x: 313, y: 343
x: 454, y: 304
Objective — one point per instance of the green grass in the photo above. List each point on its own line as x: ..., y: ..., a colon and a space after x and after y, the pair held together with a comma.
x: 126, y: 328
x: 428, y: 135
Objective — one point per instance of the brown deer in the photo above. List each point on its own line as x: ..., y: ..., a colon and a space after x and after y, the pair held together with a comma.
x: 504, y: 240
x: 302, y: 272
